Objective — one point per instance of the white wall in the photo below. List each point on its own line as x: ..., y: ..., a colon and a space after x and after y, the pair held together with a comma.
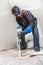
x: 27, y: 4
x: 7, y: 26
x: 8, y: 23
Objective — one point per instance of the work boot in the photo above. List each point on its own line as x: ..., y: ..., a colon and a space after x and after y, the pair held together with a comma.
x: 37, y: 49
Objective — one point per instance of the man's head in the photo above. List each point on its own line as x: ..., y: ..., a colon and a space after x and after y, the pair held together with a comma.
x: 15, y: 10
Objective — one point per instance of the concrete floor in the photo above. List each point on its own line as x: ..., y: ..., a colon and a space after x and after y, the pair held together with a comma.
x: 10, y: 57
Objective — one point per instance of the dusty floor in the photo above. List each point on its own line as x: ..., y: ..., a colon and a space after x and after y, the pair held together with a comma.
x: 10, y: 57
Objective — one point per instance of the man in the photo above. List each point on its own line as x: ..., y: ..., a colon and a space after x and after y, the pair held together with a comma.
x: 29, y: 24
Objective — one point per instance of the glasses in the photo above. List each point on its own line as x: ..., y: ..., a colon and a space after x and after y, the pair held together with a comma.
x: 16, y: 12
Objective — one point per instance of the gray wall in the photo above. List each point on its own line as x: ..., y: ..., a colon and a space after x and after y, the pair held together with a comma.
x: 8, y: 23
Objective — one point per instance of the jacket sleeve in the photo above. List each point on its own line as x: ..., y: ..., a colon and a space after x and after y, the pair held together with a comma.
x: 18, y: 21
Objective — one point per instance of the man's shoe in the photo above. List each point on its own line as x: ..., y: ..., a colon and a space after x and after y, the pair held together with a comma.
x: 36, y: 49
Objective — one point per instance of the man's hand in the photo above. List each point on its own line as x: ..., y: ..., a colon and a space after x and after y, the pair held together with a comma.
x: 28, y: 29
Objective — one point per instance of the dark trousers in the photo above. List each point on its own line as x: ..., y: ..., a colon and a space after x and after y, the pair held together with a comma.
x: 36, y: 38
